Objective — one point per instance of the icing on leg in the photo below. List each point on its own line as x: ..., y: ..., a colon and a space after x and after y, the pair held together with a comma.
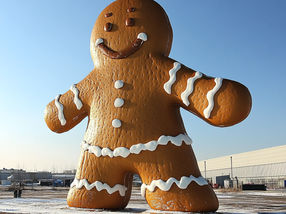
x: 183, y: 183
x: 100, y: 183
x: 193, y: 198
x: 168, y: 188
x: 99, y: 186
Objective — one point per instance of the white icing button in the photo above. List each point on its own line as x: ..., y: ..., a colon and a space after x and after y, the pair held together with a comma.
x: 116, y: 123
x: 118, y: 102
x: 118, y: 84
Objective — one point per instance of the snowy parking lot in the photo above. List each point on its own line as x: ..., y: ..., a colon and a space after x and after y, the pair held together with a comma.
x: 53, y: 200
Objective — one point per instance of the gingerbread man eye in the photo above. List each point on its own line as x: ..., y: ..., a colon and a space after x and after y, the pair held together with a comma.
x: 108, y: 27
x: 130, y: 22
x: 108, y: 15
x: 130, y: 10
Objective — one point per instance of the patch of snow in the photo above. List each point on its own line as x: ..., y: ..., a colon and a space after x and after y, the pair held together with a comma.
x: 279, y: 194
x: 231, y: 202
x: 224, y: 196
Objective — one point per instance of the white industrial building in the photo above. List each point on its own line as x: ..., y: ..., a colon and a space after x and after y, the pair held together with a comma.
x: 264, y: 166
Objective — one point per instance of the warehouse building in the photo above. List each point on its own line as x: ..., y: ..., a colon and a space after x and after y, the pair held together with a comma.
x: 5, y: 173
x: 8, y: 176
x: 264, y: 166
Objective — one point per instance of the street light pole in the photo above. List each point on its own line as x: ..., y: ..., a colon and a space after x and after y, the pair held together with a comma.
x: 231, y: 172
x: 205, y: 163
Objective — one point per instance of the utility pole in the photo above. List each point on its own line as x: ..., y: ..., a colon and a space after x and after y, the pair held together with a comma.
x: 231, y: 172
x: 205, y: 163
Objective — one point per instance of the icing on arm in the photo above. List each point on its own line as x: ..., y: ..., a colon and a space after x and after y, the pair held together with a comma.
x: 67, y: 110
x: 190, y: 87
x: 218, y: 101
x: 60, y: 108
x: 172, y: 80
x: 210, y: 97
x: 76, y: 99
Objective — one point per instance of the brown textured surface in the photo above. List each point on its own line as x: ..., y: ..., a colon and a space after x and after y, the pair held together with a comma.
x: 148, y: 112
x: 93, y: 199
x: 192, y: 198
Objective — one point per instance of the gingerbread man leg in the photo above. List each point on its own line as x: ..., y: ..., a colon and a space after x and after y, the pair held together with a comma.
x: 108, y: 186
x: 177, y: 184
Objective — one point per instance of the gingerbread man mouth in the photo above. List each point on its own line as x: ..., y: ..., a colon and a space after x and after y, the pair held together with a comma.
x: 135, y: 46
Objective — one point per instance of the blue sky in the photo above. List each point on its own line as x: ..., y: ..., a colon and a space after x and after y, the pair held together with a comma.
x: 44, y: 49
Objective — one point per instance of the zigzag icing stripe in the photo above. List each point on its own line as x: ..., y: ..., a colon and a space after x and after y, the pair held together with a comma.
x: 137, y: 148
x: 165, y: 186
x: 99, y: 186
x: 76, y: 99
x: 210, y: 97
x: 190, y: 87
x: 60, y: 108
x: 172, y: 73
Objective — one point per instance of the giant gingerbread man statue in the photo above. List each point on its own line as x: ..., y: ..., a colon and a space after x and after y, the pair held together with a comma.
x: 132, y: 99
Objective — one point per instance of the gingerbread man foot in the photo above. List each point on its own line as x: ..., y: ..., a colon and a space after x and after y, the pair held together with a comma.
x: 98, y: 195
x: 194, y: 198
x: 103, y: 189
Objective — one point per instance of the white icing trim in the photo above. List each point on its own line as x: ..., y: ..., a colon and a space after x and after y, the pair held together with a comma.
x: 118, y: 102
x: 76, y: 99
x: 99, y: 186
x: 137, y: 148
x: 190, y: 87
x: 210, y: 97
x: 116, y: 123
x: 60, y: 108
x: 165, y: 186
x: 98, y: 41
x: 118, y: 84
x: 142, y: 36
x: 172, y: 73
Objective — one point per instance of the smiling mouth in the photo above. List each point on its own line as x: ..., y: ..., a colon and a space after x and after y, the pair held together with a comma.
x: 135, y: 46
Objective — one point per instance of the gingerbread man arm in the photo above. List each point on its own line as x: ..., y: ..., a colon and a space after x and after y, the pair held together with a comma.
x: 69, y: 109
x: 220, y: 102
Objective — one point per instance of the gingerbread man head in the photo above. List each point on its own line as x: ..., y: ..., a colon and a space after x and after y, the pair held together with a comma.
x: 124, y: 33
x: 132, y: 99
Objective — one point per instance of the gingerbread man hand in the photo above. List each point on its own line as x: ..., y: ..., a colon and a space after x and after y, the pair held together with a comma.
x: 218, y: 101
x: 132, y: 100
x: 69, y: 109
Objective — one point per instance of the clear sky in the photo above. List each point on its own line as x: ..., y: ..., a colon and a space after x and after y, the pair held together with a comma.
x: 44, y: 49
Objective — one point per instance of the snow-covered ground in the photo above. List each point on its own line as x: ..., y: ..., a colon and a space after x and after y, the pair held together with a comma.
x: 271, y: 201
x: 31, y: 205
x: 53, y: 201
